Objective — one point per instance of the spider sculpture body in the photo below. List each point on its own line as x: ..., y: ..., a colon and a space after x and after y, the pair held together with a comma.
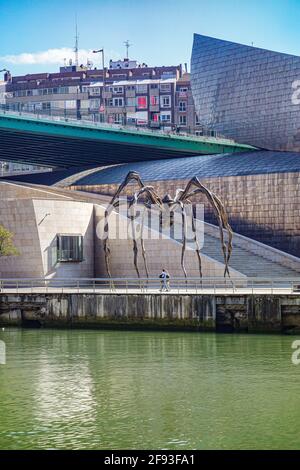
x: 181, y: 200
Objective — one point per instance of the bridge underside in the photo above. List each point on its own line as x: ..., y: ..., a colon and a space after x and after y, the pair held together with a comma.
x: 57, y: 151
x: 65, y: 144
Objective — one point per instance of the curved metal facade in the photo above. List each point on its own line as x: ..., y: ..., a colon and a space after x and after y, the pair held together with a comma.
x: 251, y: 95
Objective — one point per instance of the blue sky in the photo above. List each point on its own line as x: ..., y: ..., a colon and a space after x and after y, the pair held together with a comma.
x: 37, y: 34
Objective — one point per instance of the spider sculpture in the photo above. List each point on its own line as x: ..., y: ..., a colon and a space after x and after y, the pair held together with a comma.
x: 181, y: 200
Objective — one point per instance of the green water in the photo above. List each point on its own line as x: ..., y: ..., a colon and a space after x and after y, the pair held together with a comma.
x: 148, y: 390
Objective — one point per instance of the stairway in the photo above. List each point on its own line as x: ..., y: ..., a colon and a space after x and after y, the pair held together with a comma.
x: 246, y: 262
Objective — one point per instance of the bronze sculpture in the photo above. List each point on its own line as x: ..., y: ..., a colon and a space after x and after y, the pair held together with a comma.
x: 182, y: 197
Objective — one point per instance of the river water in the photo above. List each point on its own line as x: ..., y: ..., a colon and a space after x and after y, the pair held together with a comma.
x: 84, y: 389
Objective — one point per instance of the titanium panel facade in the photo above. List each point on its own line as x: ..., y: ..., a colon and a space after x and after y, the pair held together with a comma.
x: 251, y: 95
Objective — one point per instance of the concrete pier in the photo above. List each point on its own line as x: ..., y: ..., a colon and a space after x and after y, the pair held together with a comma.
x: 194, y: 312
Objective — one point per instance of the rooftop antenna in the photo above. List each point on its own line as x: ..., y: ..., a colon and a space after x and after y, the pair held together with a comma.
x: 76, y: 42
x: 127, y: 45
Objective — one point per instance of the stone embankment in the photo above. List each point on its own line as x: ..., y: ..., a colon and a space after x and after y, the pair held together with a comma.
x: 194, y: 312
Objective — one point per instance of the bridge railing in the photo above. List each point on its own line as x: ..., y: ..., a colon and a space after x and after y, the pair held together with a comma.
x: 143, y: 285
x: 113, y: 126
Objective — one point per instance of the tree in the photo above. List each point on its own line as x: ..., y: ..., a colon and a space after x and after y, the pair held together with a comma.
x: 7, y: 247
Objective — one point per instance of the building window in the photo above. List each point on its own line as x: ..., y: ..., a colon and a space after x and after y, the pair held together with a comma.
x: 118, y: 102
x: 155, y: 117
x: 46, y: 106
x: 95, y: 104
x: 142, y: 102
x: 141, y: 88
x: 165, y: 101
x: 130, y: 101
x: 154, y: 86
x: 182, y: 106
x: 118, y: 119
x: 183, y: 89
x: 154, y: 100
x: 182, y: 120
x: 69, y: 248
x: 117, y: 89
x: 165, y: 87
x: 197, y: 120
x: 95, y: 90
x: 63, y: 89
x: 165, y: 117
x: 130, y: 87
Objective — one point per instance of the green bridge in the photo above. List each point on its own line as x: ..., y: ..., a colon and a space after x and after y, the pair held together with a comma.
x: 56, y: 142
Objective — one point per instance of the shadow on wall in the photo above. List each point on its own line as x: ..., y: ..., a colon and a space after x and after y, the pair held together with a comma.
x: 273, y: 237
x: 51, y: 256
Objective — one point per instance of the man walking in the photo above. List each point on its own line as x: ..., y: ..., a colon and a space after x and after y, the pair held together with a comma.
x: 165, y: 283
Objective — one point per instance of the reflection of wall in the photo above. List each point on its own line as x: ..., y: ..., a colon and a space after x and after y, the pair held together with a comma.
x: 246, y: 93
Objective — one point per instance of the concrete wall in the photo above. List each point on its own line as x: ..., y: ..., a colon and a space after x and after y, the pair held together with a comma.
x: 35, y: 224
x: 264, y: 207
x: 231, y: 313
x: 18, y: 216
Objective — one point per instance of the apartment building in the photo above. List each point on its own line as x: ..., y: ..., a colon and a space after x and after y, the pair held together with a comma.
x: 141, y: 102
x: 125, y: 93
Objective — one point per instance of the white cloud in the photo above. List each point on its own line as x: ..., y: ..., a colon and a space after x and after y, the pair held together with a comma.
x: 55, y: 56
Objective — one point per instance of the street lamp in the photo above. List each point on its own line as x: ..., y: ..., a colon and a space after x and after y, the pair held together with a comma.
x: 103, y: 79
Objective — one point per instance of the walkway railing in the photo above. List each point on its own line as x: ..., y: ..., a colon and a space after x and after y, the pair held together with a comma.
x: 217, y: 285
x: 112, y: 126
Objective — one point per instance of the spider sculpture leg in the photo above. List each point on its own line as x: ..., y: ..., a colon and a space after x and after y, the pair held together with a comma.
x: 135, y: 247
x: 151, y: 196
x: 219, y: 210
x: 183, y: 218
x: 194, y: 229
x: 143, y: 243
x: 106, y: 246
